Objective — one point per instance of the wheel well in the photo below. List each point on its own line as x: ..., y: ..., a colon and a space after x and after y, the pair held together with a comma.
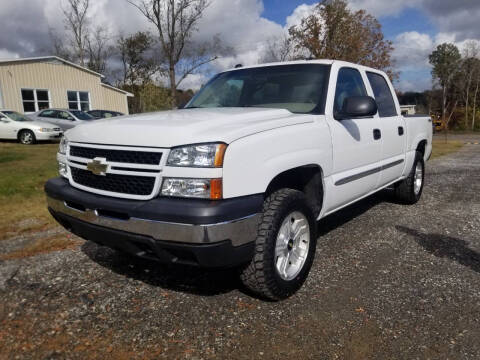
x: 421, y: 146
x: 22, y: 130
x: 307, y: 179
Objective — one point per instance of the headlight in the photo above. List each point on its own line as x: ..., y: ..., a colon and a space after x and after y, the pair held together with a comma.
x: 62, y: 149
x: 202, y: 155
x: 194, y: 188
x: 45, y: 130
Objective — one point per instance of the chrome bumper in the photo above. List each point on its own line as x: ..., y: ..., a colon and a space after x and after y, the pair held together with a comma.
x: 239, y: 231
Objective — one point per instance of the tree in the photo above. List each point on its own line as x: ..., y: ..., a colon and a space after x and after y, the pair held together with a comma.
x: 467, y: 68
x: 98, y: 49
x: 445, y: 60
x: 76, y: 23
x: 335, y: 32
x: 175, y: 21
x: 137, y: 55
x: 278, y: 50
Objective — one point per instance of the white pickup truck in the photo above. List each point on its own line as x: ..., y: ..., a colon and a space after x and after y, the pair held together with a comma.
x: 240, y: 176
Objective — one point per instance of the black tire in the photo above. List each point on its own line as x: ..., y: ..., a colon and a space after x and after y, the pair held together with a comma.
x: 26, y: 137
x: 405, y: 191
x: 261, y: 275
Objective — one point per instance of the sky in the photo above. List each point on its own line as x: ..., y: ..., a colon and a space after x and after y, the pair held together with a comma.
x: 415, y: 27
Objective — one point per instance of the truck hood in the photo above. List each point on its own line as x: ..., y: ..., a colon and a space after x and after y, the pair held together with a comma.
x: 179, y: 127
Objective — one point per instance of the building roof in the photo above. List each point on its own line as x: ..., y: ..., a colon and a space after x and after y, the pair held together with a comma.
x: 117, y: 89
x: 50, y: 58
x: 58, y: 59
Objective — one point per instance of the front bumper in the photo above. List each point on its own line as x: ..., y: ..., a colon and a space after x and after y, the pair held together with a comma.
x: 198, y: 232
x: 46, y: 136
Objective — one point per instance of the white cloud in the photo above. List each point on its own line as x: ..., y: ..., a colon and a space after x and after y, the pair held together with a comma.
x: 298, y: 14
x: 6, y: 54
x: 418, y: 85
x: 412, y: 50
x: 383, y: 7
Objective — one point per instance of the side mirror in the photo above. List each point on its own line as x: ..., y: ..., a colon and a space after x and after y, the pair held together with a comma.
x: 182, y: 105
x: 357, y: 107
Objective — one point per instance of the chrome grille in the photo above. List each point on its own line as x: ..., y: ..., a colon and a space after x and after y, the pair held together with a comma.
x: 125, y: 184
x: 123, y: 156
x: 131, y: 172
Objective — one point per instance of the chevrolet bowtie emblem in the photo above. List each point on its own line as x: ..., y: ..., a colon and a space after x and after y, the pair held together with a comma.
x: 98, y: 166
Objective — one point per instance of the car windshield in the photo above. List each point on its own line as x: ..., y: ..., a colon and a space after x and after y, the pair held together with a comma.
x: 16, y: 116
x: 82, y: 115
x: 299, y: 88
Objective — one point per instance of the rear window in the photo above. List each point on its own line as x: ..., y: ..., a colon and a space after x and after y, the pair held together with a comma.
x: 383, y: 95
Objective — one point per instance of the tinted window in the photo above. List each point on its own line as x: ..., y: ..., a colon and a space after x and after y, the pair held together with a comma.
x: 297, y: 88
x: 48, y: 113
x: 82, y: 115
x: 383, y: 95
x: 349, y: 83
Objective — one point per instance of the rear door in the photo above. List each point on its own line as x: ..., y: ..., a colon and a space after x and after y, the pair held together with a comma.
x: 355, y: 142
x: 392, y: 127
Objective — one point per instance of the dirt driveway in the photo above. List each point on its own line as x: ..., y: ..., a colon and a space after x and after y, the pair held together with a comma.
x: 389, y: 282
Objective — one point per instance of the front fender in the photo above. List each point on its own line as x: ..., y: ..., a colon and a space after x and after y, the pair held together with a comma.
x: 252, y: 162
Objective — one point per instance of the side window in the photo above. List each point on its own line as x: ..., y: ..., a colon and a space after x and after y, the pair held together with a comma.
x: 349, y: 83
x: 48, y: 113
x: 383, y: 95
x: 64, y: 115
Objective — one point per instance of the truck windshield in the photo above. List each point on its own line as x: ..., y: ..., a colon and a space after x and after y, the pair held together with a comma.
x: 299, y: 88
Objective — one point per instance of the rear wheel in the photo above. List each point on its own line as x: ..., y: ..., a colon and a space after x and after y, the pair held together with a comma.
x: 409, y: 190
x: 27, y: 137
x: 284, y: 248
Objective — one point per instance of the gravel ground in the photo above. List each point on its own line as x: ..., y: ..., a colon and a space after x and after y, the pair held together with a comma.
x: 389, y: 282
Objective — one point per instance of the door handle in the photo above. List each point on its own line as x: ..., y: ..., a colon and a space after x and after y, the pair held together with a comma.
x: 377, y: 134
x: 400, y: 130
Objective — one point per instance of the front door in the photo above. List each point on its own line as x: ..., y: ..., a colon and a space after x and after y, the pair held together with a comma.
x: 65, y: 120
x: 392, y: 126
x: 356, y: 144
x: 8, y: 128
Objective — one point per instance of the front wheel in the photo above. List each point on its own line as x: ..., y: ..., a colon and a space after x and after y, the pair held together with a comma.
x: 27, y: 137
x: 284, y: 248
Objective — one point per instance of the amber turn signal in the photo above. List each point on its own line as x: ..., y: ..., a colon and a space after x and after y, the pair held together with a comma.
x: 216, y: 189
x: 219, y: 154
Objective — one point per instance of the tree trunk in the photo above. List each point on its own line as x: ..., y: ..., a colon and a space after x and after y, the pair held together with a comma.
x: 173, y: 85
x: 466, y: 107
x: 444, y: 103
x: 474, y: 106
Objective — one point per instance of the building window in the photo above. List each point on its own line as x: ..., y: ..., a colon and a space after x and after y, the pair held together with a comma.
x: 35, y: 100
x: 78, y: 100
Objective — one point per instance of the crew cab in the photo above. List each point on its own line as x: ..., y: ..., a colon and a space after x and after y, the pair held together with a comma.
x: 240, y: 176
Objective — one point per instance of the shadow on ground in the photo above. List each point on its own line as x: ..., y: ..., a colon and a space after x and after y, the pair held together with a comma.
x: 207, y: 282
x: 192, y: 280
x: 445, y: 246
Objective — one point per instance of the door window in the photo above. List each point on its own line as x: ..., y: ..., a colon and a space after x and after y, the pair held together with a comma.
x: 48, y: 114
x: 383, y: 95
x: 349, y: 83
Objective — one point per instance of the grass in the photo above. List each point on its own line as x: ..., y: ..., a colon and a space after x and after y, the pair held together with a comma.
x: 442, y: 147
x: 23, y: 172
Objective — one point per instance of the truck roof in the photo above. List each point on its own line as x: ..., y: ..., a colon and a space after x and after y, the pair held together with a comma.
x: 319, y: 61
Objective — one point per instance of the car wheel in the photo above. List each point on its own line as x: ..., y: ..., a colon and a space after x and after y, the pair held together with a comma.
x: 409, y: 190
x: 27, y: 137
x: 284, y: 247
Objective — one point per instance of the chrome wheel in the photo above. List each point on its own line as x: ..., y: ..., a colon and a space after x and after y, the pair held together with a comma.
x: 292, y: 245
x: 26, y: 138
x: 418, y: 178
